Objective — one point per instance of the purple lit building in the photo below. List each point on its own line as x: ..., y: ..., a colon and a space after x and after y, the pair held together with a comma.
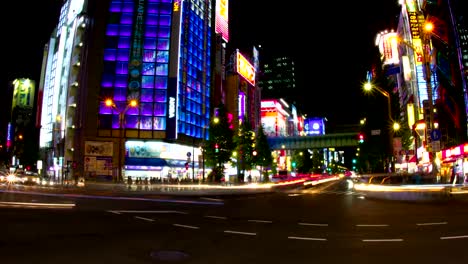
x: 157, y: 53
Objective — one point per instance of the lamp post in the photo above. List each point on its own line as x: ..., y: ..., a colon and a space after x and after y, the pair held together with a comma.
x: 368, y: 86
x: 131, y: 104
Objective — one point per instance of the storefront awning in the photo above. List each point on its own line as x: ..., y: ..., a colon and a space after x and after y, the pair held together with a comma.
x: 154, y: 162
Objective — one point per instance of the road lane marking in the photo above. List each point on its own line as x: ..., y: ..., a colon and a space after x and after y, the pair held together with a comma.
x: 240, y: 233
x: 114, y: 212
x: 74, y: 195
x: 186, y: 226
x: 144, y: 218
x: 147, y: 212
x: 216, y: 217
x: 307, y: 238
x: 383, y: 225
x: 311, y: 224
x: 260, y: 221
x: 38, y: 205
x: 211, y: 199
x: 454, y: 237
x: 426, y: 224
x: 383, y: 240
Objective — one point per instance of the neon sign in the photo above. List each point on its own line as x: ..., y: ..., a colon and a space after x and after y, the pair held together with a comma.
x: 171, y: 107
x: 245, y: 69
x: 176, y: 7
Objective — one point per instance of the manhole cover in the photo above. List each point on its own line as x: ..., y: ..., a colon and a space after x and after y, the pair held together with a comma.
x: 169, y: 255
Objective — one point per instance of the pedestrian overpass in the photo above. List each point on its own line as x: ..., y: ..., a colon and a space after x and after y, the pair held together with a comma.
x: 312, y: 142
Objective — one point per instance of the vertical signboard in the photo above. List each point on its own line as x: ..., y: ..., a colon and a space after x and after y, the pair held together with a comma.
x: 175, y: 55
x: 222, y: 19
x: 134, y: 67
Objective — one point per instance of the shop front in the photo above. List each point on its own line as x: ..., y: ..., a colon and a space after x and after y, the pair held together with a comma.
x: 454, y: 167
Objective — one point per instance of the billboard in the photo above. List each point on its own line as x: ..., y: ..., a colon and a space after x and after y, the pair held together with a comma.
x: 244, y: 68
x: 221, y: 19
x: 314, y: 126
x: 23, y: 93
x: 388, y: 47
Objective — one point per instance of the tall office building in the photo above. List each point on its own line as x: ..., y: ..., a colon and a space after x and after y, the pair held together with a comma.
x: 126, y: 87
x: 278, y: 79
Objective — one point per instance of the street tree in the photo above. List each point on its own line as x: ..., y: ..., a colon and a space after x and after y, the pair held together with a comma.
x: 244, y: 142
x: 219, y: 147
x: 263, y: 157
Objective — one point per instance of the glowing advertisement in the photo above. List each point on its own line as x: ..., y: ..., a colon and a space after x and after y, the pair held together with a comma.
x: 245, y: 69
x: 158, y: 149
x: 405, y: 61
x: 314, y: 126
x: 134, y: 68
x: 388, y: 46
x: 9, y: 137
x: 222, y: 19
x: 241, y: 105
x: 23, y: 93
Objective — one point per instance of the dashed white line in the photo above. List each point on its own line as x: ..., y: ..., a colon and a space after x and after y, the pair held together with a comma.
x: 147, y: 212
x: 187, y: 226
x: 383, y: 225
x: 454, y: 237
x: 216, y: 217
x: 211, y: 199
x: 144, y: 218
x: 240, y: 233
x: 114, y: 212
x: 307, y: 238
x: 427, y: 224
x: 311, y: 224
x: 260, y: 221
x: 383, y: 240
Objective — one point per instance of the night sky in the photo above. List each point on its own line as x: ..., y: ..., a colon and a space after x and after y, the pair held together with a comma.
x: 329, y: 41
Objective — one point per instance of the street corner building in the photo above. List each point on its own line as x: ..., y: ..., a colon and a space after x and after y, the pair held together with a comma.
x: 126, y: 88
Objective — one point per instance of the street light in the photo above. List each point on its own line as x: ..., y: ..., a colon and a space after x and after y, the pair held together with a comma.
x: 368, y: 86
x: 131, y: 104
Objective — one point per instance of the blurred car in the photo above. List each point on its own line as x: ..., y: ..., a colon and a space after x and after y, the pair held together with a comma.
x: 28, y: 179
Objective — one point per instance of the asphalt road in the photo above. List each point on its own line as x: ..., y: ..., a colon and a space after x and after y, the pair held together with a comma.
x: 322, y: 224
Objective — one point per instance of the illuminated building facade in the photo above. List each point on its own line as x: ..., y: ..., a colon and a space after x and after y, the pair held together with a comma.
x: 433, y: 78
x: 21, y: 134
x: 156, y: 52
x: 279, y: 119
x: 242, y: 92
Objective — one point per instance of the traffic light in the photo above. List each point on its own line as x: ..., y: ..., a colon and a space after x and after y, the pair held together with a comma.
x: 216, y: 148
x: 361, y: 138
x: 293, y: 164
x: 186, y: 165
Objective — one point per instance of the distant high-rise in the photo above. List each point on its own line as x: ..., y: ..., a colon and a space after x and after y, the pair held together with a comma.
x: 278, y: 79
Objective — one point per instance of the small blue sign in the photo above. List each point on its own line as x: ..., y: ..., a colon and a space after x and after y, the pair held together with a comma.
x: 435, y: 134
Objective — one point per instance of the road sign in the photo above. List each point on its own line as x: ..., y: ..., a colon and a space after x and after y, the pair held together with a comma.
x: 436, y: 145
x: 435, y: 134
